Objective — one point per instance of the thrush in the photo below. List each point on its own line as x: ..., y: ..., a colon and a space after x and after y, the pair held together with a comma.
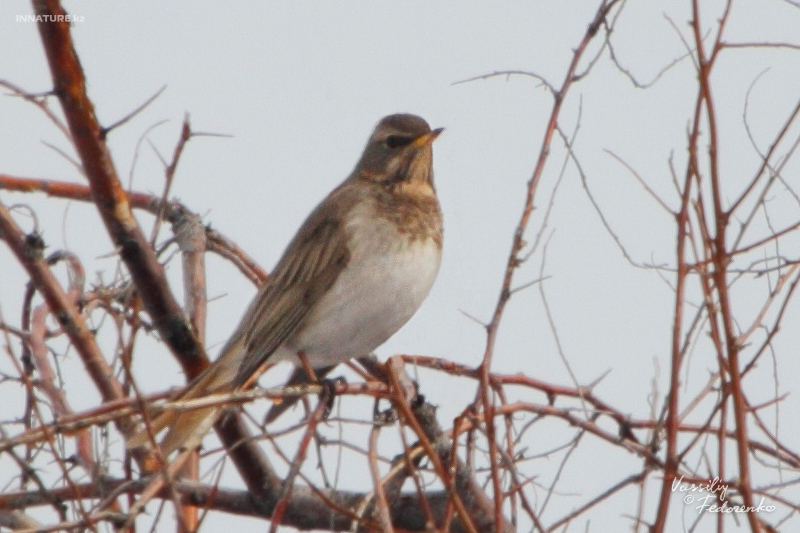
x: 357, y: 270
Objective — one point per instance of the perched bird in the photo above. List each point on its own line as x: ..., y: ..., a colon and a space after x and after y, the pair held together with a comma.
x: 356, y: 271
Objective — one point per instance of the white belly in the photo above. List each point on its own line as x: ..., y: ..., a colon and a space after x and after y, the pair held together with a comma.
x: 381, y: 288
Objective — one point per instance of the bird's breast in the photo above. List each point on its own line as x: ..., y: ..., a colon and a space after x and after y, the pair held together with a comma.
x: 390, y: 272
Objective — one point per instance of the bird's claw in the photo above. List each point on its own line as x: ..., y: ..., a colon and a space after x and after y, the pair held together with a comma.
x: 328, y: 393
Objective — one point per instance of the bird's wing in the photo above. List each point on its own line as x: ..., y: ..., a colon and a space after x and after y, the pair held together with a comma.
x: 309, y: 267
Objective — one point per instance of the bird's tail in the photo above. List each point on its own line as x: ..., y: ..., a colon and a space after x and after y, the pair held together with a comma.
x: 186, y: 429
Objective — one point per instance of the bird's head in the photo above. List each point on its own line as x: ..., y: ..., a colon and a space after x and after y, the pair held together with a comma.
x: 398, y: 153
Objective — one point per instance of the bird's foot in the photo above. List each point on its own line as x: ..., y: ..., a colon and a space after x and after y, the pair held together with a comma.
x: 328, y: 393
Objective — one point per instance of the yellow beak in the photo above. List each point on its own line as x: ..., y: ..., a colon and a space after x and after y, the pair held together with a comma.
x: 428, y: 138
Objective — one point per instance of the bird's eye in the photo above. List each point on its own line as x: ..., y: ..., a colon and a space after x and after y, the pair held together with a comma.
x: 397, y: 141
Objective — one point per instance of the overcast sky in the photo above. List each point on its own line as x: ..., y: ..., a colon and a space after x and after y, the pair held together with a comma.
x: 298, y: 86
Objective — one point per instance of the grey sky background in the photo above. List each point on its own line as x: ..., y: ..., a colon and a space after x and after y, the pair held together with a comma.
x: 299, y: 86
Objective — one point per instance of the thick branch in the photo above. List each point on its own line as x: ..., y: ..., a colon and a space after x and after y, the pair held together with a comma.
x: 107, y: 192
x: 307, y: 509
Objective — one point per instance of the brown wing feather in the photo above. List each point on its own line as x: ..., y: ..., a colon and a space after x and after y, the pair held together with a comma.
x: 308, y: 268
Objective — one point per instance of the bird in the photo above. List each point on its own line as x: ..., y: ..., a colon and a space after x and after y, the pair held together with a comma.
x: 355, y: 272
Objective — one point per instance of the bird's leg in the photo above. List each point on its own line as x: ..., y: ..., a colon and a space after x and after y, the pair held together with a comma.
x: 328, y: 395
x: 329, y: 387
x: 394, y: 375
x: 383, y: 372
x: 374, y: 368
x: 307, y: 367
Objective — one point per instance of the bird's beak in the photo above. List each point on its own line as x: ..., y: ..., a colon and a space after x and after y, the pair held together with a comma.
x: 428, y: 138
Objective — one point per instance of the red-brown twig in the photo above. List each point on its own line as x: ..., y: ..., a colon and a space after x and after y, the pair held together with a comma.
x: 61, y: 306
